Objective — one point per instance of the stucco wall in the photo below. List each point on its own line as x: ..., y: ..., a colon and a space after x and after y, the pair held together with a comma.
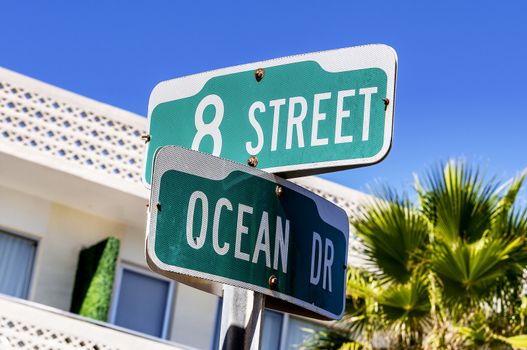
x: 195, y: 313
x: 63, y: 231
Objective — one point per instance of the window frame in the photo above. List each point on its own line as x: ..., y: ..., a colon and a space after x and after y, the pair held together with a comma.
x: 36, y: 257
x: 169, y: 305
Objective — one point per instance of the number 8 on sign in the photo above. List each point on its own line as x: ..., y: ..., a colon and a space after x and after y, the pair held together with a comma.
x: 211, y: 128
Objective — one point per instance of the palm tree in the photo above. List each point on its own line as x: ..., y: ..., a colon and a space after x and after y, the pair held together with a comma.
x: 445, y: 273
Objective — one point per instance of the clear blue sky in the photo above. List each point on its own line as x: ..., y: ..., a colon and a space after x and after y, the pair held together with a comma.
x: 462, y: 80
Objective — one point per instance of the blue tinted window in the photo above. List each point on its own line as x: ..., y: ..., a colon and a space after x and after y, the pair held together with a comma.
x: 17, y: 255
x: 271, y: 330
x: 142, y: 303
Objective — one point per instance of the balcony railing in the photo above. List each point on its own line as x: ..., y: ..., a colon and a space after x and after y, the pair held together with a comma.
x: 30, y: 326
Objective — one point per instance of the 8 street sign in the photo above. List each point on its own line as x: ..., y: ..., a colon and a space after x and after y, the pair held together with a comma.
x: 213, y: 221
x: 298, y: 115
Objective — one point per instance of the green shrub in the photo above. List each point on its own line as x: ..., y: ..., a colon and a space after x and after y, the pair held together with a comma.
x: 94, y: 280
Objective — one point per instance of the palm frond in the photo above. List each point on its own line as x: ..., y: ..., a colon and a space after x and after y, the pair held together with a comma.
x: 511, y: 226
x: 394, y: 235
x: 359, y: 292
x: 458, y: 202
x: 360, y: 283
x: 330, y: 339
x: 351, y: 346
x: 406, y: 307
x: 477, y: 335
x: 447, y: 274
x: 360, y: 314
x: 467, y: 270
x: 518, y: 342
x: 506, y: 220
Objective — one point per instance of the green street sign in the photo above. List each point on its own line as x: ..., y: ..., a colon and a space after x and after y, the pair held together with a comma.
x: 214, y: 222
x: 298, y: 115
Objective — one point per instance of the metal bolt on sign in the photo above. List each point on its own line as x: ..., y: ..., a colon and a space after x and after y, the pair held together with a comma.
x: 259, y: 74
x: 252, y: 161
x: 146, y: 138
x: 273, y: 282
x: 386, y: 102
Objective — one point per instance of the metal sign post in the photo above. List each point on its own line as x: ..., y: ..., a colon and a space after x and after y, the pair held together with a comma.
x: 245, y: 234
x: 241, y: 319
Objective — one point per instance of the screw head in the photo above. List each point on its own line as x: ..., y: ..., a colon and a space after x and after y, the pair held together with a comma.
x: 145, y: 138
x: 279, y: 191
x: 386, y: 102
x: 259, y: 74
x: 252, y: 161
x: 273, y: 282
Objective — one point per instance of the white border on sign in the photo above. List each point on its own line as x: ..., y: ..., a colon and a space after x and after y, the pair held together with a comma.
x: 199, y: 164
x: 346, y: 59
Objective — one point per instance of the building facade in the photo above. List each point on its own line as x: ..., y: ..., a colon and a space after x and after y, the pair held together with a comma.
x: 70, y: 177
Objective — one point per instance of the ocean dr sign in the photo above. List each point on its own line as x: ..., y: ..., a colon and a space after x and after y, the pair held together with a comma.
x: 298, y: 115
x: 213, y: 221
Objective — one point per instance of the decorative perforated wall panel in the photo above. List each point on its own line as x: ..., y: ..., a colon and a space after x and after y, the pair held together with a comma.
x: 15, y: 334
x: 69, y: 129
x: 351, y: 206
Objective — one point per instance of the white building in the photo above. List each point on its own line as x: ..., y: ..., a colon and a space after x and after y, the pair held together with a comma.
x: 70, y: 176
